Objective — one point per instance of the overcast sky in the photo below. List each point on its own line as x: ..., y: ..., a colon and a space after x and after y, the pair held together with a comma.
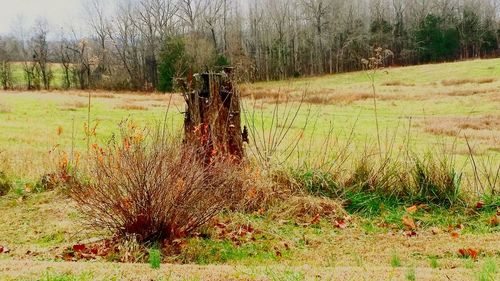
x: 59, y: 13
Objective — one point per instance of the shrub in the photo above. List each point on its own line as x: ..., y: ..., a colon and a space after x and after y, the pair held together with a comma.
x: 172, y: 62
x: 154, y: 188
x: 5, y: 184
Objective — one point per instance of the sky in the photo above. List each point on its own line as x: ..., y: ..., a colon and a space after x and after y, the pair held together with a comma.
x: 59, y: 13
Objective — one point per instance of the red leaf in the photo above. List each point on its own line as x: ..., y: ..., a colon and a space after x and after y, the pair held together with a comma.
x: 468, y: 253
x: 79, y: 248
x: 480, y: 205
x: 1, y: 249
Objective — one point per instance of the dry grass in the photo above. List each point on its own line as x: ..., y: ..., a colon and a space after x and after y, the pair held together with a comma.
x: 485, y: 128
x: 458, y: 82
x: 27, y: 270
x: 397, y: 83
x: 73, y: 106
x: 130, y: 106
x: 102, y: 95
x: 469, y: 92
x: 5, y: 109
x: 305, y: 208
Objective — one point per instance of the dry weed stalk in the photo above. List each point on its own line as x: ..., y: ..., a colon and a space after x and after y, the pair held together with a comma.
x: 271, y: 144
x: 372, y: 66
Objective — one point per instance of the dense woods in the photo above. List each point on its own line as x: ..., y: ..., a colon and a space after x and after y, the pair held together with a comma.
x: 143, y: 44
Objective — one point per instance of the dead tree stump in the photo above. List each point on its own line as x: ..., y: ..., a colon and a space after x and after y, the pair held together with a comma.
x: 212, y: 119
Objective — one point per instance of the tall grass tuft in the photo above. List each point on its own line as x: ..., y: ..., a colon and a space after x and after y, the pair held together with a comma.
x: 5, y: 184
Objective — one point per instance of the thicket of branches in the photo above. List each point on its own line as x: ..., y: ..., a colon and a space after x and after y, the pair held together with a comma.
x: 141, y: 44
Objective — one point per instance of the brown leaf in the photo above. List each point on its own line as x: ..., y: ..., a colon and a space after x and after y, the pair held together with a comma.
x: 340, y: 223
x: 435, y: 230
x: 493, y: 221
x: 409, y: 223
x: 412, y: 209
x: 455, y: 234
x: 316, y: 219
x: 410, y: 233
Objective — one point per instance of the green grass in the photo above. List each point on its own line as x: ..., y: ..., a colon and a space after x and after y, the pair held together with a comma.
x: 395, y: 260
x: 154, y: 258
x: 434, y: 263
x: 489, y: 271
x: 411, y: 274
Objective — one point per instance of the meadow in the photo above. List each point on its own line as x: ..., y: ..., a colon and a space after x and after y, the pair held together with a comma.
x: 444, y: 110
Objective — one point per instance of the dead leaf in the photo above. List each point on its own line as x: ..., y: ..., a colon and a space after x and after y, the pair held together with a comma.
x: 410, y: 233
x: 79, y: 248
x: 316, y: 219
x: 409, y: 223
x: 412, y: 209
x: 493, y: 221
x: 468, y: 253
x: 340, y: 223
x: 455, y: 234
x: 435, y: 230
x: 479, y: 205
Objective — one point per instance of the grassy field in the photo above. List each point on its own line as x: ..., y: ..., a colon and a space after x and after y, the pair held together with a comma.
x: 430, y: 108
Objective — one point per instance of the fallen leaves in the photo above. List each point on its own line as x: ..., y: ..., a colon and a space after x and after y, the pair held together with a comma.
x: 4, y: 250
x: 494, y: 221
x: 89, y: 252
x: 342, y: 223
x: 238, y: 234
x: 468, y: 253
x: 413, y: 209
x: 409, y: 223
x: 435, y: 230
x: 316, y: 219
x: 479, y: 205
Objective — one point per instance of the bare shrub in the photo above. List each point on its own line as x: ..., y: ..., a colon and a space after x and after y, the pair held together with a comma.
x: 151, y: 187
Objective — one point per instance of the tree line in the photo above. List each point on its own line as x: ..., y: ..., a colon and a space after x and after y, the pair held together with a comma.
x: 144, y: 44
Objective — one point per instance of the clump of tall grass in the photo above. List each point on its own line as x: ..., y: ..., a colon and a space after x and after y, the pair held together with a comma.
x: 5, y: 184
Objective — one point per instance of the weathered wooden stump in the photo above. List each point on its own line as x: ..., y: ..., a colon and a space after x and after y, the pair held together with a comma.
x: 213, y: 114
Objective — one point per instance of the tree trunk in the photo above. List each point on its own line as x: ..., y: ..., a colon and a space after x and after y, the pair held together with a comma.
x: 212, y: 119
